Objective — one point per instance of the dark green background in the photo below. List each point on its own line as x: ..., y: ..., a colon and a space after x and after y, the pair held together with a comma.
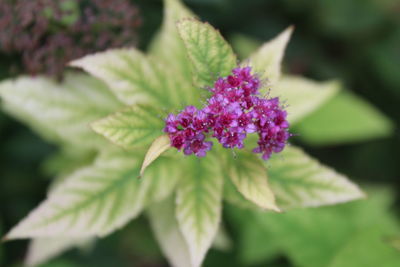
x: 356, y: 41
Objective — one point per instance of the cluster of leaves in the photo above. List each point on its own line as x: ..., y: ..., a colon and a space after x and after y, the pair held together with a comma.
x: 351, y: 234
x: 182, y: 197
x: 48, y: 34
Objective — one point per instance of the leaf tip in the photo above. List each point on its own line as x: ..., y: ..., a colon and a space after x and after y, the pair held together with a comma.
x: 290, y: 29
x: 275, y: 209
x: 77, y: 63
x: 94, y: 125
x: 363, y: 195
x: 159, y: 146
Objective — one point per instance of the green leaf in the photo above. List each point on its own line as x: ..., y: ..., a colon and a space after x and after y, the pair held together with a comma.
x: 255, y: 243
x: 250, y: 178
x: 135, y: 126
x: 168, y: 46
x: 59, y: 112
x: 159, y: 146
x: 95, y: 200
x: 345, y: 118
x: 136, y: 78
x: 300, y: 181
x: 198, y: 205
x: 268, y: 58
x: 366, y: 249
x: 163, y: 176
x: 211, y: 56
x: 234, y: 197
x: 303, y: 96
x: 42, y: 250
x: 167, y: 232
x: 335, y: 232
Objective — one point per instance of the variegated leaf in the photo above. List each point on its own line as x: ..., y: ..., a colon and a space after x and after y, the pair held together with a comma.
x: 166, y: 229
x: 222, y: 240
x: 303, y: 96
x: 300, y: 181
x: 250, y: 178
x: 95, y: 200
x: 159, y: 146
x: 43, y: 249
x: 137, y: 78
x: 267, y: 59
x: 198, y: 205
x: 168, y: 46
x: 234, y: 197
x: 59, y: 112
x: 135, y: 126
x: 163, y: 174
x: 211, y: 56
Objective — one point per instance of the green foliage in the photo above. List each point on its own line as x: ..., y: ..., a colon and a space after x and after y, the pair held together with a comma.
x: 182, y: 195
x: 345, y: 118
x: 300, y: 181
x: 209, y: 53
x: 344, y: 235
x: 394, y: 242
x: 136, y: 126
x: 163, y: 176
x: 159, y: 146
x: 268, y: 58
x: 303, y: 96
x: 251, y: 180
x: 331, y: 117
x: 60, y: 113
x: 92, y: 201
x: 168, y: 234
x: 43, y: 249
x: 198, y: 206
x: 137, y: 78
x: 167, y: 44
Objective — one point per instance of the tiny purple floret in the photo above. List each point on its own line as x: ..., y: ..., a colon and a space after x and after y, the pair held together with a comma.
x: 234, y: 110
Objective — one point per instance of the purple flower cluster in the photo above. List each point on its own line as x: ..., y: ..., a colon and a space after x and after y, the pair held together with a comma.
x: 233, y: 111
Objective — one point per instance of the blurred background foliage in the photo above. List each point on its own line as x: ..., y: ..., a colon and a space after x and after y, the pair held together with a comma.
x: 354, y: 41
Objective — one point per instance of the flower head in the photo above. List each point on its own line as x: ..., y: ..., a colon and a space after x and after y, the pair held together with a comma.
x: 234, y: 110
